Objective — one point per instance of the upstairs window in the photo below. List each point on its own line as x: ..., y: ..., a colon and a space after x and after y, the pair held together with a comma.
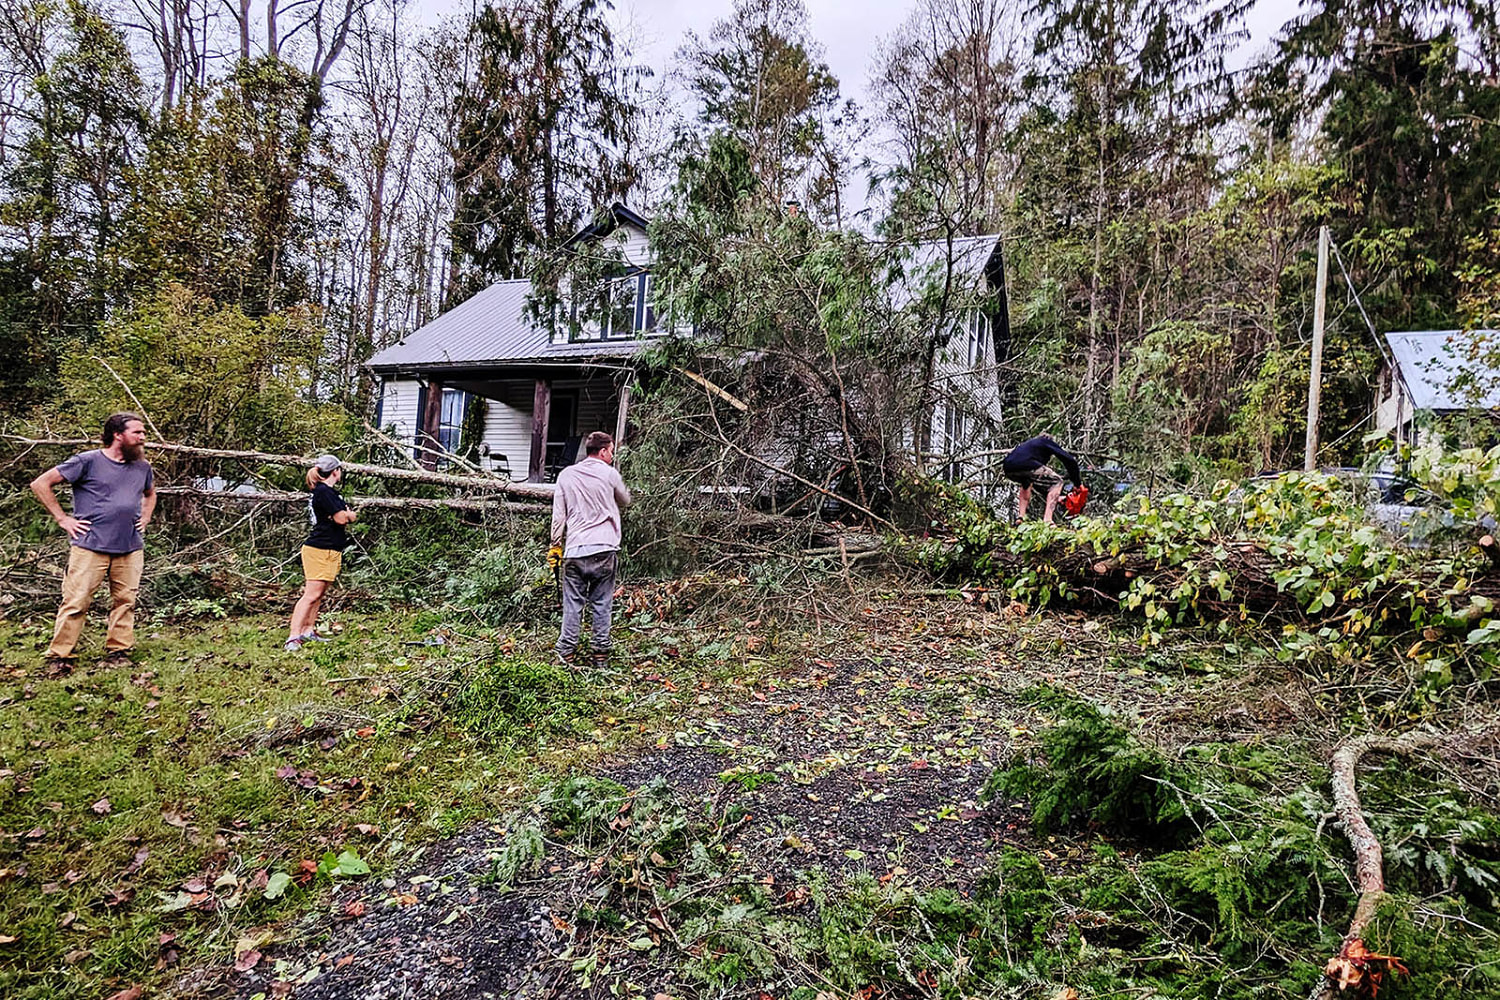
x: 624, y: 308
x: 976, y: 339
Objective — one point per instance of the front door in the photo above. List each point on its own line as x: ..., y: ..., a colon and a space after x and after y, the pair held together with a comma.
x: 560, y: 423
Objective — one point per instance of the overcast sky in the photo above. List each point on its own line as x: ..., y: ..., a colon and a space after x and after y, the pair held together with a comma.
x: 849, y: 30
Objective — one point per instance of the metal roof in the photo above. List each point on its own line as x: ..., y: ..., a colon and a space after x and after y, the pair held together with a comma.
x: 1446, y: 369
x: 921, y: 264
x: 491, y: 327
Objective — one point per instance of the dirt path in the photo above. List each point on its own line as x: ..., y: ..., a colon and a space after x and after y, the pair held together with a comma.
x: 845, y: 767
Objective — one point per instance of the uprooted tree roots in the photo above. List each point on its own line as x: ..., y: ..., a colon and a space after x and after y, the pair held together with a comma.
x: 1356, y: 969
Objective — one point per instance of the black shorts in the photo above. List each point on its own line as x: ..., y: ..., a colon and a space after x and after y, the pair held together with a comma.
x: 1043, y: 475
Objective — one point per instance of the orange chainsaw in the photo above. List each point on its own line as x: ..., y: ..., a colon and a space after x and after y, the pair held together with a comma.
x: 1074, y: 500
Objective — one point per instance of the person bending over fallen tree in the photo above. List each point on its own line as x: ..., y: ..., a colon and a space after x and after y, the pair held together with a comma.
x: 1026, y: 465
x: 323, y: 552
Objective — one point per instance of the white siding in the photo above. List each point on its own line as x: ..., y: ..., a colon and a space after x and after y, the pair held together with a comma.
x: 398, y: 408
x: 633, y: 244
x: 507, y: 430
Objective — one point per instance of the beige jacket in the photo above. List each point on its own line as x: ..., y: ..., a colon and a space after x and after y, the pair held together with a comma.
x: 586, y: 508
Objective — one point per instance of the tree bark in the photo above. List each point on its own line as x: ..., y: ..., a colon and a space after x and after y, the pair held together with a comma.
x: 482, y: 484
x: 1355, y: 965
x: 390, y: 503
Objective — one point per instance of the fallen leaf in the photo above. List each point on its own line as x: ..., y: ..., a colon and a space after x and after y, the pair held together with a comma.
x: 7, y: 938
x: 354, y: 908
x: 102, y: 807
x: 129, y: 993
x: 247, y: 961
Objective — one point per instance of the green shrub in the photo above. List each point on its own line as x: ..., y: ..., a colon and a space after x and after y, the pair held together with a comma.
x: 509, y: 698
x: 1094, y: 771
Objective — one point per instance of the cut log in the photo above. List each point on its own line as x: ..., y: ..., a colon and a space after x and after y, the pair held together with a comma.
x: 484, y: 484
x: 359, y: 503
x: 1355, y: 967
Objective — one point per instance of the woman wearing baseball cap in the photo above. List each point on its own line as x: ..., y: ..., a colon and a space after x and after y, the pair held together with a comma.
x: 323, y: 552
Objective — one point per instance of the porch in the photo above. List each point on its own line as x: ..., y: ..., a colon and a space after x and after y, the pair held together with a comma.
x: 531, y: 421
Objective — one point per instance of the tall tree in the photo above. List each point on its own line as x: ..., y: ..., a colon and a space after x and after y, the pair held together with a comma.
x: 70, y: 139
x: 1126, y: 94
x: 760, y: 77
x: 1409, y: 99
x: 947, y: 96
x: 544, y: 124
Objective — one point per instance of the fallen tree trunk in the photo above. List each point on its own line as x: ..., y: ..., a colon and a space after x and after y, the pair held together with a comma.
x: 539, y: 491
x: 1355, y: 966
x: 1097, y: 581
x: 390, y: 503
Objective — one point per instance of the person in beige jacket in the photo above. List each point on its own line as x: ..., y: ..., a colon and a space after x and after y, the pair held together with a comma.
x: 586, y: 540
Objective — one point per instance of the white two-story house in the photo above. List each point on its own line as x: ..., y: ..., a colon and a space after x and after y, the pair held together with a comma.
x: 543, y: 391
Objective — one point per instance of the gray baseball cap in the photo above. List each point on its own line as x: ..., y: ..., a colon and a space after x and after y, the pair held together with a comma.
x: 326, y: 464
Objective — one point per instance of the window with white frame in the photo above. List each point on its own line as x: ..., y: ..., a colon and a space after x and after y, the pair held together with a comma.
x: 451, y: 420
x: 976, y: 338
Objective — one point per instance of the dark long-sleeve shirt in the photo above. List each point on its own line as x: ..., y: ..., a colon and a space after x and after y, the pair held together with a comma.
x: 1037, y: 452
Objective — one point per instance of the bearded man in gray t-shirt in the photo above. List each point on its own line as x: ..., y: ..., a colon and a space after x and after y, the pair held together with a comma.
x: 114, y: 495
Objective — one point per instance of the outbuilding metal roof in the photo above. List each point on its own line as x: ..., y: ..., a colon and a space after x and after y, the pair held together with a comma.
x: 1448, y: 369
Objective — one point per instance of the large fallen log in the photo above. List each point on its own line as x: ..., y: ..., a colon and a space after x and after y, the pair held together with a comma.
x: 1097, y: 581
x: 360, y: 502
x: 1355, y: 970
x: 486, y: 484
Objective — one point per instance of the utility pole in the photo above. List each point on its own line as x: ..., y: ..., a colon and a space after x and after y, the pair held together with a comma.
x: 1315, y: 382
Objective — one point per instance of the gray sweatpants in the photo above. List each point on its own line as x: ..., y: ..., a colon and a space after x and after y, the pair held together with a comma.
x: 588, y: 581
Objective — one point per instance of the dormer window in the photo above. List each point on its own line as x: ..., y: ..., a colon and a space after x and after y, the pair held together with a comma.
x: 623, y: 309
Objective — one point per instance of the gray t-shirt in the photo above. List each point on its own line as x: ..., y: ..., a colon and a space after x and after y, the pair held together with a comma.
x: 108, y: 494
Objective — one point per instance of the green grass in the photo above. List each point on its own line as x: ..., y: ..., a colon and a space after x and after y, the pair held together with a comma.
x: 178, y: 745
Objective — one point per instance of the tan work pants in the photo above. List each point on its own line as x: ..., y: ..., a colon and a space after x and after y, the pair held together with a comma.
x: 86, y: 571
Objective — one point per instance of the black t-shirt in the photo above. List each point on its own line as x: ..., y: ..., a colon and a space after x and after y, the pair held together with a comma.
x: 326, y: 532
x: 1037, y: 452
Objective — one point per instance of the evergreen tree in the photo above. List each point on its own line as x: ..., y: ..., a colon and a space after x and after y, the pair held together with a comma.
x: 543, y: 134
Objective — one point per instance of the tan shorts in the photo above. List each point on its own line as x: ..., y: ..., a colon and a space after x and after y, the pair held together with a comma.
x: 321, y: 564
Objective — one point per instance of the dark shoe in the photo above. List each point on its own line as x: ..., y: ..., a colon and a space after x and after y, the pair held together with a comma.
x: 59, y: 666
x: 562, y: 659
x: 118, y: 658
x: 600, y: 659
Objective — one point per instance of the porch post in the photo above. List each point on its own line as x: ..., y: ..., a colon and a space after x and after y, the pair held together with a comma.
x: 427, y: 433
x: 620, y: 416
x: 541, y: 412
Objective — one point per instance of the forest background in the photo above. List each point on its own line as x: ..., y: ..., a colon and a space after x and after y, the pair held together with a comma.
x: 268, y: 194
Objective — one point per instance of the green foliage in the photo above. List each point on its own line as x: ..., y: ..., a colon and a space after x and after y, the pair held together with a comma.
x: 499, y: 580
x: 1094, y: 771
x: 511, y: 699
x: 205, y: 374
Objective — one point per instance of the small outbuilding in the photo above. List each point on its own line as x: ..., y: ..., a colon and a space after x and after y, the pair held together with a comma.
x: 1436, y: 372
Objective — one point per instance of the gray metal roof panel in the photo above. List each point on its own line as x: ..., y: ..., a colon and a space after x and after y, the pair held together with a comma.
x: 492, y: 326
x: 1436, y: 363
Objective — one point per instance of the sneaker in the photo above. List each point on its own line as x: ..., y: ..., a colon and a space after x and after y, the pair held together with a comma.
x: 600, y: 659
x: 118, y: 658
x: 315, y: 637
x: 59, y: 666
x: 293, y: 646
x: 561, y: 659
